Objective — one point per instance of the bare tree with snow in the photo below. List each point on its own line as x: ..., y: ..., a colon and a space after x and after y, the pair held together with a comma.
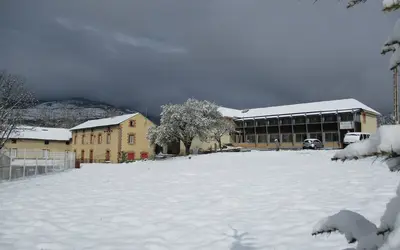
x: 14, y: 97
x: 184, y: 122
x: 221, y: 127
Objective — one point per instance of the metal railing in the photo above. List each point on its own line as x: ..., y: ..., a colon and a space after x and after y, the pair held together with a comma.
x: 27, y: 163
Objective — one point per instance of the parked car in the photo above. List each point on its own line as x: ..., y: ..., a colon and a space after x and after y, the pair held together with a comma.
x: 353, y: 137
x: 312, y: 144
x: 229, y: 147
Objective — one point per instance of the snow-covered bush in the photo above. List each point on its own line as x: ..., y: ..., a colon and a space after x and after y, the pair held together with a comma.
x: 184, y: 122
x: 356, y: 228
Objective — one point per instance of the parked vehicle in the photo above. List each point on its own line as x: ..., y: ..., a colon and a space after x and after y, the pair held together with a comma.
x: 312, y: 144
x: 353, y: 137
x: 229, y: 147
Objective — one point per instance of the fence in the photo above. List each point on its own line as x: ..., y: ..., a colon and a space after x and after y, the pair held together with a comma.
x: 26, y: 163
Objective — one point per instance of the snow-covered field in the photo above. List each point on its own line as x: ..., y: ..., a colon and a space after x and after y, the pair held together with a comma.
x: 233, y: 201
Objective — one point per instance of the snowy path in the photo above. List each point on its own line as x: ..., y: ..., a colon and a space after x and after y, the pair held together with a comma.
x: 181, y: 204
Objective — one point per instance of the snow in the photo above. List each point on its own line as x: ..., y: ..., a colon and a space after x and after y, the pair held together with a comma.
x: 302, y: 108
x: 104, y: 122
x: 387, y: 4
x: 41, y: 133
x: 236, y: 201
x: 385, y: 140
x: 228, y: 112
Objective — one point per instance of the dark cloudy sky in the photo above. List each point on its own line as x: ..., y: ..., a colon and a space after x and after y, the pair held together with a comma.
x: 238, y: 53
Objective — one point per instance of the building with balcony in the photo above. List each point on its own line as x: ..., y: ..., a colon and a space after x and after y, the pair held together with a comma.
x: 327, y: 121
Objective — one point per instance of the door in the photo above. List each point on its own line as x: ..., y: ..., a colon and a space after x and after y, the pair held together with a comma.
x: 131, y: 156
x: 91, y: 156
x: 144, y: 155
x: 107, y: 155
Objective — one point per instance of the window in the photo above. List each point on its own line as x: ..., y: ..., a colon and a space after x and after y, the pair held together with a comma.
x: 67, y: 142
x: 300, y: 120
x: 45, y: 153
x: 75, y: 139
x: 330, y: 118
x: 13, y: 141
x: 273, y: 121
x: 286, y: 121
x: 132, y: 123
x: 250, y: 123
x: 314, y: 119
x: 331, y: 137
x: 131, y: 138
x: 287, y: 138
x: 91, y: 138
x: 261, y: 123
x: 272, y: 137
x: 250, y: 138
x: 345, y: 117
x: 99, y: 139
x: 301, y: 137
x: 83, y: 139
x: 108, y: 138
x: 262, y: 139
x: 316, y: 136
x: 82, y: 155
x: 46, y: 142
x: 13, y: 152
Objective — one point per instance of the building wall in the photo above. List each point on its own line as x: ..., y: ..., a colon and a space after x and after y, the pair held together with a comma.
x: 34, y: 148
x: 197, y: 144
x: 99, y: 149
x: 370, y: 124
x: 141, y: 146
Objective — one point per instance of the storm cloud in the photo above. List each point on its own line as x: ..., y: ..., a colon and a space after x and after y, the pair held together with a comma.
x: 238, y: 53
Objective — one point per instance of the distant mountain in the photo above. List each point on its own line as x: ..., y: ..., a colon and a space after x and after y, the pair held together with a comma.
x: 68, y: 113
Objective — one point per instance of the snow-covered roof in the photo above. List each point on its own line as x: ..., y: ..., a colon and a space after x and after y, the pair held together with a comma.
x: 323, y: 106
x: 228, y: 112
x: 41, y: 133
x: 104, y: 122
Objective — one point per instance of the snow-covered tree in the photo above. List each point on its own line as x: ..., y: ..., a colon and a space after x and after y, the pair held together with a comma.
x: 386, y: 120
x: 355, y: 227
x: 184, y: 122
x: 386, y: 144
x: 14, y: 98
x: 221, y: 127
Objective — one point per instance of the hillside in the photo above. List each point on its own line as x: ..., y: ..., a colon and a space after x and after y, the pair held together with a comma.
x: 70, y: 112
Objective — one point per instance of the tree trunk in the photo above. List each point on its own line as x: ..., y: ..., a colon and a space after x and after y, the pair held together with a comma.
x: 219, y: 144
x: 187, y: 148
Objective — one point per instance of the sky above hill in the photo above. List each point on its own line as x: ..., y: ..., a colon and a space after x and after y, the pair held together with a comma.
x: 238, y: 53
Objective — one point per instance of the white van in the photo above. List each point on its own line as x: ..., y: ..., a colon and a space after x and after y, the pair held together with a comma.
x: 352, y: 137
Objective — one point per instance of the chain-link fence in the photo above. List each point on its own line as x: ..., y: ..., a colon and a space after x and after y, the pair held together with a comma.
x: 26, y: 163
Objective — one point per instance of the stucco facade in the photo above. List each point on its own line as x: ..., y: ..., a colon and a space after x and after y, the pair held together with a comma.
x: 37, y: 142
x: 369, y: 123
x: 21, y: 148
x: 105, y: 143
x: 198, y: 145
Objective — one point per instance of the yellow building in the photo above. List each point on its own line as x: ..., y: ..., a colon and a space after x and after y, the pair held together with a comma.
x: 106, y: 140
x: 33, y: 142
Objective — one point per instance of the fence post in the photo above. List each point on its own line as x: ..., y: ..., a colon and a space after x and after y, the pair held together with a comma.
x: 10, y: 173
x: 52, y: 164
x: 23, y: 174
x: 36, y: 165
x: 45, y: 165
